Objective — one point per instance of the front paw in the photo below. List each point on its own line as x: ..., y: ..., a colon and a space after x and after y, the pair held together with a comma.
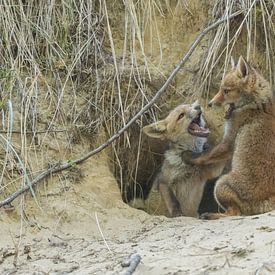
x: 176, y: 213
x: 206, y: 147
x: 205, y: 216
x: 193, y: 161
x: 211, y: 216
x: 190, y: 161
x: 198, y: 161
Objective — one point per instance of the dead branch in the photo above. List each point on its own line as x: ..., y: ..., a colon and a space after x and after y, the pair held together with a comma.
x: 132, y: 264
x: 60, y: 167
x: 33, y: 132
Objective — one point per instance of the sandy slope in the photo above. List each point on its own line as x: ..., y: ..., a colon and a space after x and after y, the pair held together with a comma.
x: 66, y: 238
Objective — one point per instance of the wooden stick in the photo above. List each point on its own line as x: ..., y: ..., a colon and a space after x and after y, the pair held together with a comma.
x: 133, y: 263
x: 61, y: 167
x: 33, y: 132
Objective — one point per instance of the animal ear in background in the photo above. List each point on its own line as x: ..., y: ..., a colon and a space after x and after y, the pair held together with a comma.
x: 156, y: 130
x: 233, y: 63
x: 242, y: 67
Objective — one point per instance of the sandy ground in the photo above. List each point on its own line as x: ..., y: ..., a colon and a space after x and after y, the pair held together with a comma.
x: 86, y: 229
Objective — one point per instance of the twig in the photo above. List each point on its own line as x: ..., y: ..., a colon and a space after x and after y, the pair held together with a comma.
x: 101, y: 233
x: 64, y: 166
x: 132, y: 264
x: 33, y: 132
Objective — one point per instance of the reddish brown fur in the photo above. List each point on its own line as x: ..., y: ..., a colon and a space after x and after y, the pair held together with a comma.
x: 249, y: 139
x: 219, y: 97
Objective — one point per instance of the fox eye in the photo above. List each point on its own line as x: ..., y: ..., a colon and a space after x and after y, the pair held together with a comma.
x: 181, y: 116
x: 226, y: 91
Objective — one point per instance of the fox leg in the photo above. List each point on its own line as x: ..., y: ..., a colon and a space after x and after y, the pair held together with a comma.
x: 231, y: 211
x: 170, y: 200
x: 222, y: 152
x: 227, y: 197
x: 218, y: 154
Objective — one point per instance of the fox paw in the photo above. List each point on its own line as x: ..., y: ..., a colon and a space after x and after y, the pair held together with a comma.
x: 176, y: 213
x: 200, y: 160
x: 205, y: 216
x: 211, y: 216
x: 206, y: 146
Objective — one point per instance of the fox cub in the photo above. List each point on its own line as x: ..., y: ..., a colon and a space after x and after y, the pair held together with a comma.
x: 181, y: 184
x: 249, y: 140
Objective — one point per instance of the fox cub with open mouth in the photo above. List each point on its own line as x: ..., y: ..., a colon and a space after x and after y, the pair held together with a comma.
x: 181, y: 184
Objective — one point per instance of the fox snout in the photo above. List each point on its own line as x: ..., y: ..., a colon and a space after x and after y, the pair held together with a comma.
x: 194, y: 111
x: 198, y: 108
x: 212, y: 103
x: 217, y: 100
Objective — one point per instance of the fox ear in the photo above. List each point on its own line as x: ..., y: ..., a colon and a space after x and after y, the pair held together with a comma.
x: 156, y: 130
x: 242, y: 67
x: 233, y: 63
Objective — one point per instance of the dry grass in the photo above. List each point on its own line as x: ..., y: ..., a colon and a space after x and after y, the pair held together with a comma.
x: 83, y: 66
x: 252, y: 35
x: 45, y: 46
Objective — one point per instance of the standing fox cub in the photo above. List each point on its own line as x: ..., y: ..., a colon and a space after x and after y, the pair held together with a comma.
x: 181, y: 184
x: 249, y: 139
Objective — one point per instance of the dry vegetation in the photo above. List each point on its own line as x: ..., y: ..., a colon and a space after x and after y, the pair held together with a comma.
x: 72, y: 73
x: 71, y: 70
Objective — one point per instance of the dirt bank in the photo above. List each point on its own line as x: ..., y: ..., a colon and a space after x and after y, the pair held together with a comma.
x: 166, y: 246
x: 86, y: 229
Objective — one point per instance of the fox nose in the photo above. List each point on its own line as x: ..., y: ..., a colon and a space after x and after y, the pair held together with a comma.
x: 210, y: 104
x: 198, y: 108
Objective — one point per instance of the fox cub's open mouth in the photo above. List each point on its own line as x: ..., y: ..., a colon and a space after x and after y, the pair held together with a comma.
x: 229, y: 111
x: 196, y: 129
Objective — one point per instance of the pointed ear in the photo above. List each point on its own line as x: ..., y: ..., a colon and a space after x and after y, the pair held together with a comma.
x: 233, y: 63
x: 156, y: 130
x: 242, y: 67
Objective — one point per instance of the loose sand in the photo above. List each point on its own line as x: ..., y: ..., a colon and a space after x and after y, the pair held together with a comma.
x: 84, y: 228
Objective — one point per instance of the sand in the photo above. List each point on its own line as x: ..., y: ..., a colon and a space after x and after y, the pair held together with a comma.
x: 87, y: 229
